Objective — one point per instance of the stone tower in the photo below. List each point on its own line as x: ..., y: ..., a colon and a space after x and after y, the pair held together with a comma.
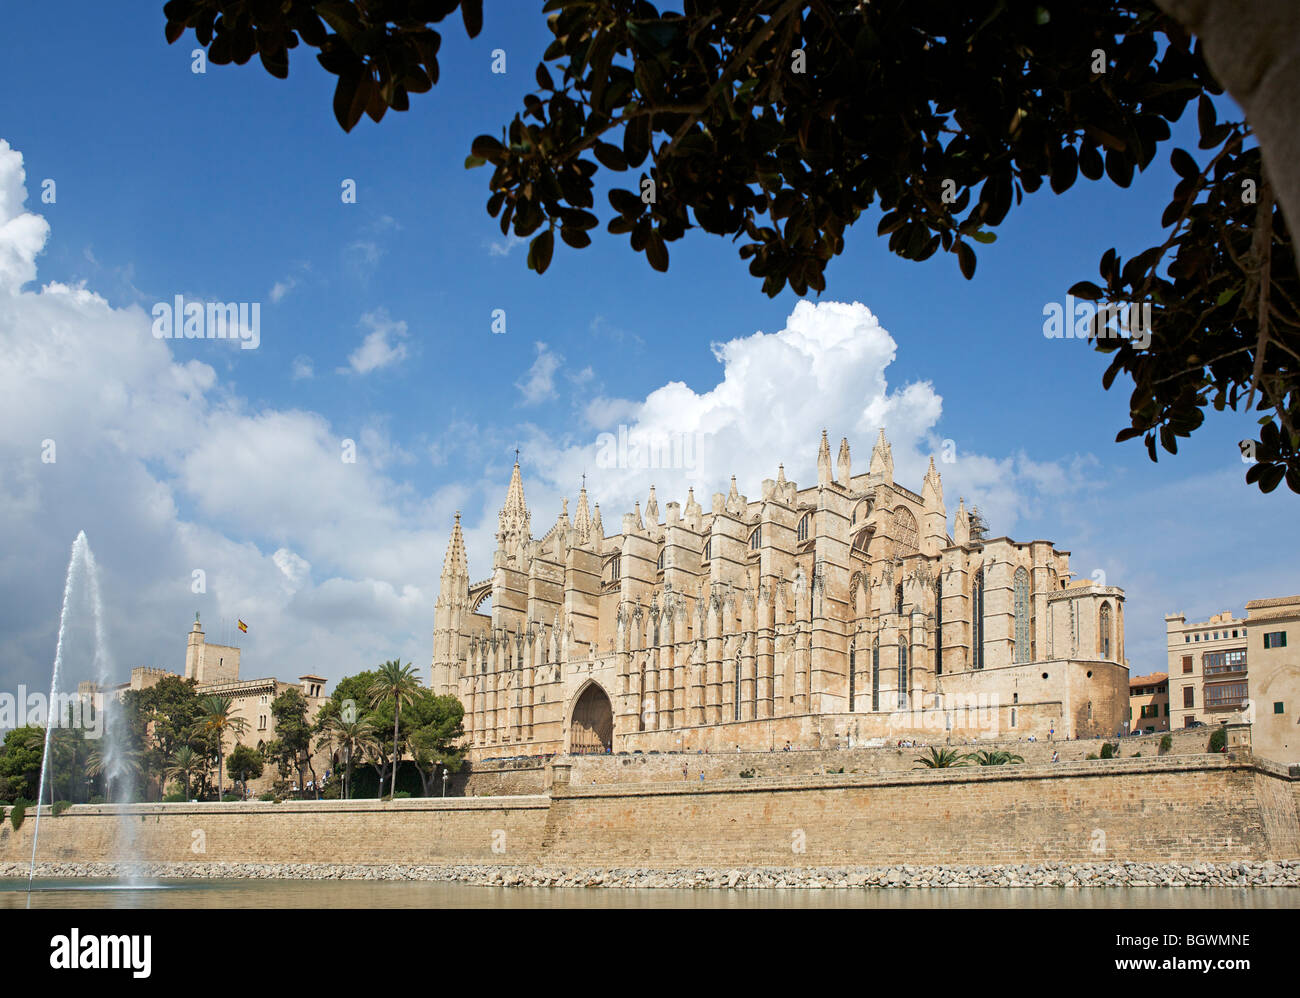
x: 515, y: 529
x: 449, y: 615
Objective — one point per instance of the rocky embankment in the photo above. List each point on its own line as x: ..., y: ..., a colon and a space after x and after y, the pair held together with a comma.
x: 1244, y: 874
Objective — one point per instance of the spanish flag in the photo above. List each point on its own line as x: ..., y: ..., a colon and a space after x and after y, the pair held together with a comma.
x: 243, y: 627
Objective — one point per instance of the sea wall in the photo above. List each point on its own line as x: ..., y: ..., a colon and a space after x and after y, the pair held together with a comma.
x: 1184, y: 809
x: 533, y: 775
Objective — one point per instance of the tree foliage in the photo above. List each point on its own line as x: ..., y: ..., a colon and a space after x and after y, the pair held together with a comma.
x: 778, y: 123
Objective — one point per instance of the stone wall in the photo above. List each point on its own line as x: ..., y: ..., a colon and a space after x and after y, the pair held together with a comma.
x: 667, y: 767
x: 1177, y: 808
x: 1173, y: 809
x: 366, y: 831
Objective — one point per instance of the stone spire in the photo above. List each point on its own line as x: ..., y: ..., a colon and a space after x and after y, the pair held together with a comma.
x: 882, y: 459
x: 652, y: 508
x: 845, y: 464
x: 961, y: 526
x: 582, y: 519
x: 640, y: 524
x: 455, y: 565
x: 515, y: 522
x: 449, y: 613
x: 932, y: 486
x: 692, y: 511
x: 597, y: 528
x: 934, y: 519
x: 824, y: 462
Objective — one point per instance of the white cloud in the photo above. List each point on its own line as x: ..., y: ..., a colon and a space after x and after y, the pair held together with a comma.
x: 302, y: 368
x: 381, y: 347
x: 503, y: 247
x: 281, y: 288
x: 22, y: 234
x: 169, y: 473
x: 539, y: 383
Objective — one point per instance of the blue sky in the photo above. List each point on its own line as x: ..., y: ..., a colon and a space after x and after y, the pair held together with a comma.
x: 376, y: 327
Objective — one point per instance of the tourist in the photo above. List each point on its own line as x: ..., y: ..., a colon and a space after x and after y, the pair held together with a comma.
x: 1056, y: 756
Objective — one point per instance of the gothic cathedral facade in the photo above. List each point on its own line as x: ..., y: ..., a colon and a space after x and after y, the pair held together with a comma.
x: 840, y: 614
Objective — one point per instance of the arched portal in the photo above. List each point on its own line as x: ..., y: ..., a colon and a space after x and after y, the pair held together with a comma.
x: 591, y: 728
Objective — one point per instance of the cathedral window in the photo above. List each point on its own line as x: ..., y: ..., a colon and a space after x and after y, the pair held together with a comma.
x: 875, y: 674
x: 1021, y: 586
x: 977, y: 620
x: 898, y: 599
x: 708, y: 550
x: 1103, y: 630
x: 852, y: 666
x: 660, y: 565
x: 902, y: 670
x: 756, y: 539
x: 904, y: 531
x: 802, y: 534
x: 938, y: 626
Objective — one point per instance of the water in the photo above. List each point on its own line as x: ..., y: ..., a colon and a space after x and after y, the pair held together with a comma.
x: 79, y: 546
x: 117, y: 774
x: 334, y: 894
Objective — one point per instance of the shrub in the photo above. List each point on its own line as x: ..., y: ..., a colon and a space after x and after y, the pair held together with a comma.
x: 1166, y: 743
x: 17, y: 813
x: 1092, y: 755
x: 98, y: 799
x: 268, y: 795
x: 174, y: 796
x: 1109, y: 751
x: 232, y: 797
x: 60, y: 806
x: 1137, y: 755
x: 1217, y: 740
x: 746, y: 774
x: 401, y: 795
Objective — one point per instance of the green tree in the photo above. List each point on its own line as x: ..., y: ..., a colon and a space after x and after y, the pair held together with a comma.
x: 20, y: 761
x: 779, y: 123
x: 161, y: 719
x: 218, y: 718
x: 351, y: 739
x: 245, y: 762
x: 942, y: 759
x: 431, y: 740
x: 994, y: 757
x: 1218, y: 740
x: 294, y: 733
x: 128, y: 762
x: 185, y: 762
x: 401, y: 685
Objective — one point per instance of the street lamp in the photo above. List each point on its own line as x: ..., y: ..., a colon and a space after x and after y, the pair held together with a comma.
x: 445, y: 777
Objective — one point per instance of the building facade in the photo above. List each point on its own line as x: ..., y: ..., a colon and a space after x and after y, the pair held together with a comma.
x: 1274, y: 650
x: 1208, y: 676
x: 215, y: 670
x: 1148, y: 703
x: 834, y: 614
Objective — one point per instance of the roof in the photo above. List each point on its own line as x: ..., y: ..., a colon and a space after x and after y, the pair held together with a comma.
x: 1151, y: 680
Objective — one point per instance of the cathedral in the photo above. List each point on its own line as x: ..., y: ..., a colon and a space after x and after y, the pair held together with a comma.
x: 838, y: 614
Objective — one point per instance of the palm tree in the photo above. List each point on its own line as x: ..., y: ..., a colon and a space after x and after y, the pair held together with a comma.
x: 997, y: 757
x: 402, y: 684
x: 218, y: 718
x: 353, y: 738
x: 184, y: 763
x: 126, y: 762
x: 942, y: 759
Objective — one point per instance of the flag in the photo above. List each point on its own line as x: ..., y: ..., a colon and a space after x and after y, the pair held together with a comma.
x: 243, y: 627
